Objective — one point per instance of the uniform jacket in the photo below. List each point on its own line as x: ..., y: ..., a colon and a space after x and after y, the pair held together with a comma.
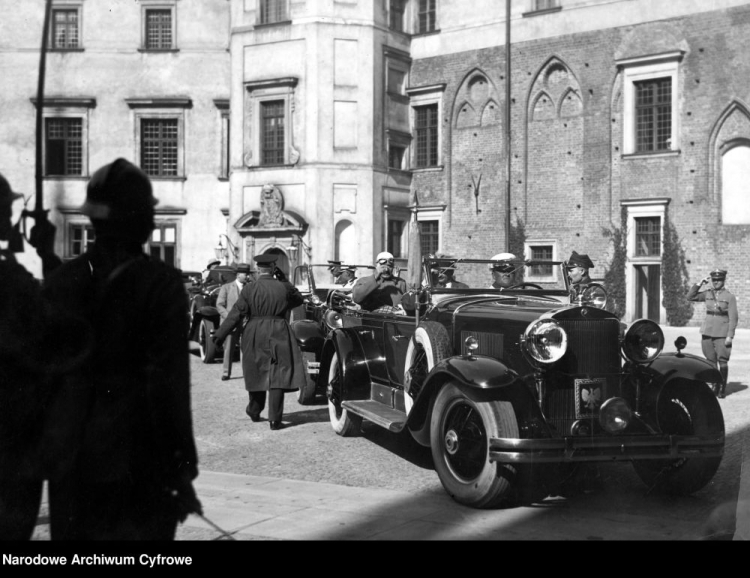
x: 372, y: 293
x: 721, y: 311
x: 127, y: 413
x: 577, y: 288
x: 271, y: 357
x: 228, y: 294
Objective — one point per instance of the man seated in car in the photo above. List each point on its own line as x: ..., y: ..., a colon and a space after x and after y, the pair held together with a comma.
x: 503, y: 271
x: 442, y: 271
x: 381, y: 291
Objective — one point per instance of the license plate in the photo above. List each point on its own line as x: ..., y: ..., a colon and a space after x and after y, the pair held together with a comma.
x: 589, y: 396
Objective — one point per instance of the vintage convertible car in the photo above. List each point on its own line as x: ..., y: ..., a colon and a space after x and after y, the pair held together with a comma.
x: 511, y: 388
x: 203, y: 316
x: 311, y: 322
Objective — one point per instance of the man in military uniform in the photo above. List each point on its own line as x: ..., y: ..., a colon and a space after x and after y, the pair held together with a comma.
x: 578, y: 267
x: 383, y: 290
x: 228, y: 294
x: 442, y: 272
x: 720, y: 323
x: 271, y: 358
x: 503, y: 271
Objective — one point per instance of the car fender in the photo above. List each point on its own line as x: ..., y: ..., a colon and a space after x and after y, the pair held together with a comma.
x: 481, y: 378
x: 678, y: 370
x: 345, y: 342
x: 309, y: 335
x: 208, y: 311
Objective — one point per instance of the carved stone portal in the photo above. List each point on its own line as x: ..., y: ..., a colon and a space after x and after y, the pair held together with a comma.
x: 271, y: 205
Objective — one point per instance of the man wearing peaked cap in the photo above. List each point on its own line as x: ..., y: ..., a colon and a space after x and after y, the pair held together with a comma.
x: 503, y: 271
x: 577, y: 267
x: 271, y: 358
x: 228, y: 295
x: 718, y: 327
x: 381, y: 290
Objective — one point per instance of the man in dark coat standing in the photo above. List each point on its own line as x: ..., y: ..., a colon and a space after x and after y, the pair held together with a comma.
x: 119, y: 435
x: 271, y: 359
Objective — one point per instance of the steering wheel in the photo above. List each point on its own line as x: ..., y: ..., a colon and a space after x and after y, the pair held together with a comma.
x: 526, y: 286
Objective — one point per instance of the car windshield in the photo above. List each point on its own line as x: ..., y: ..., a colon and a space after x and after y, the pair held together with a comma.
x: 328, y: 277
x: 486, y: 274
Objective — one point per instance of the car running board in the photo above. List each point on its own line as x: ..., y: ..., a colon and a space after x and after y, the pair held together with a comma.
x: 374, y: 411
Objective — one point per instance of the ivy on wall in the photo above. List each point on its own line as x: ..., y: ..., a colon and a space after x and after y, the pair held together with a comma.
x: 517, y: 239
x: 614, y: 277
x: 675, y: 279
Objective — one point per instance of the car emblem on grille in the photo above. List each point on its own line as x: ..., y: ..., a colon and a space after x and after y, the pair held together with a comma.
x: 584, y: 312
x: 589, y: 394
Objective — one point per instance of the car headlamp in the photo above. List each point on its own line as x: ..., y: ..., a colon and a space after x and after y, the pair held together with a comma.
x: 545, y: 341
x: 315, y: 300
x: 615, y: 415
x: 643, y: 342
x: 333, y: 320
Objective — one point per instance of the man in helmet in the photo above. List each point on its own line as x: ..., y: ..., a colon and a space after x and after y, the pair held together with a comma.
x: 122, y: 424
x: 383, y: 290
x: 503, y: 271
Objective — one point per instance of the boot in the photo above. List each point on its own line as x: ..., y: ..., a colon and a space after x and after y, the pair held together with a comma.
x: 724, y: 369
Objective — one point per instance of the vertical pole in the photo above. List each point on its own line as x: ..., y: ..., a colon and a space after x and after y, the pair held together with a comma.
x: 39, y: 206
x: 507, y: 125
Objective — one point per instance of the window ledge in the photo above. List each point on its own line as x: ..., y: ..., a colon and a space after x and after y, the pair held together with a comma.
x: 406, y: 172
x: 427, y: 33
x: 542, y: 12
x: 261, y: 25
x: 270, y: 167
x: 435, y: 169
x: 78, y: 49
x: 158, y: 50
x: 66, y: 177
x: 654, y: 155
x: 223, y: 179
x: 161, y: 178
x: 402, y: 98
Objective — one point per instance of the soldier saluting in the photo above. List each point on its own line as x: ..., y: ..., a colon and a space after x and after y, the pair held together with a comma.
x: 718, y: 327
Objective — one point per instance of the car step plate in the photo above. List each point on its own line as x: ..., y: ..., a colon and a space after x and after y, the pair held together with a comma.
x: 374, y: 411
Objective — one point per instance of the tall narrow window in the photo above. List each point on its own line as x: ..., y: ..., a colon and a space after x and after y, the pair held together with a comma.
x: 272, y: 11
x: 64, y: 147
x: 272, y: 132
x: 395, y: 236
x: 159, y: 147
x: 541, y: 253
x: 653, y: 110
x: 426, y: 16
x: 80, y: 236
x: 647, y: 236
x: 158, y: 29
x: 429, y: 237
x: 64, y: 29
x: 396, y: 15
x: 163, y: 243
x: 426, y: 121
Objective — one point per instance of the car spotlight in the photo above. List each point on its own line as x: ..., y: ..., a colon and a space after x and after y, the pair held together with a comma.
x: 545, y: 341
x: 333, y: 320
x: 644, y: 341
x: 594, y: 296
x: 315, y: 300
x: 471, y: 344
x: 615, y: 415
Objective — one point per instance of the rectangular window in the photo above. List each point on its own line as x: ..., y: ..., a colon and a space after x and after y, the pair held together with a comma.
x: 429, y: 237
x: 163, y: 243
x: 545, y: 4
x: 647, y: 236
x: 396, y: 15
x: 426, y: 121
x: 64, y: 146
x: 159, y: 147
x: 273, y: 11
x: 426, y: 16
x: 541, y: 253
x: 272, y: 132
x: 158, y: 29
x: 64, y: 29
x: 653, y: 114
x: 80, y: 237
x: 395, y: 238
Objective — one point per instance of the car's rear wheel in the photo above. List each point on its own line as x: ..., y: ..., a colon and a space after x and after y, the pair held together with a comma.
x: 306, y: 394
x: 207, y: 345
x: 683, y: 410
x: 428, y: 347
x: 460, y: 431
x: 343, y: 423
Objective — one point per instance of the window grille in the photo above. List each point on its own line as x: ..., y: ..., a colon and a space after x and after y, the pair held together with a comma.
x: 541, y: 253
x: 653, y: 115
x: 64, y: 29
x: 158, y: 29
x: 272, y: 132
x: 64, y: 146
x: 647, y: 236
x: 272, y: 11
x: 159, y: 147
x: 429, y: 237
x: 427, y: 135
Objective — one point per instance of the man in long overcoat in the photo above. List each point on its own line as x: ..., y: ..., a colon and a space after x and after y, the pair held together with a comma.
x: 271, y: 359
x: 228, y: 295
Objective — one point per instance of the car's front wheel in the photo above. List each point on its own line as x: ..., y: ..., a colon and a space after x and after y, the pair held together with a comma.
x: 207, y: 345
x: 343, y: 423
x: 429, y: 346
x: 684, y: 410
x: 460, y: 431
